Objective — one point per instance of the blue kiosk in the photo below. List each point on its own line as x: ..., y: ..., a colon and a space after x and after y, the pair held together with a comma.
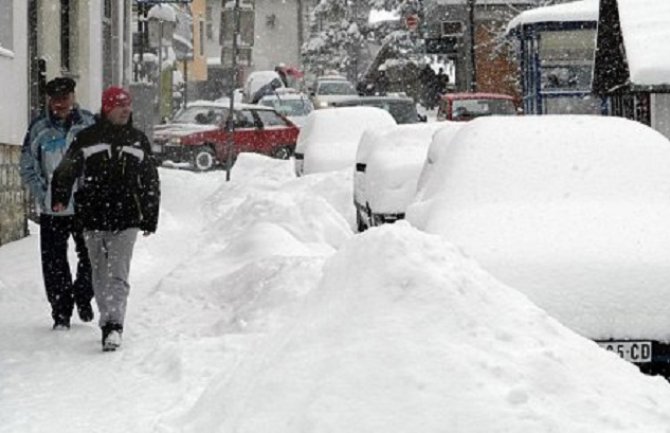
x: 556, y: 50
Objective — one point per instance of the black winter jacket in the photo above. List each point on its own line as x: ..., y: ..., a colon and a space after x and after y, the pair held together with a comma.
x: 118, y: 185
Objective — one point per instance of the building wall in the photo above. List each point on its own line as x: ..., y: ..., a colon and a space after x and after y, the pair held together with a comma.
x: 87, y: 65
x: 14, y: 113
x: 277, y: 35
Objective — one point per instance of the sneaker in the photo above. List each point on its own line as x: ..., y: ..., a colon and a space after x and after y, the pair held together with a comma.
x: 111, y: 337
x: 61, y: 325
x: 85, y: 312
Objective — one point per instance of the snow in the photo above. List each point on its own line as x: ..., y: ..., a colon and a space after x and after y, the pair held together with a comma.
x: 330, y: 137
x: 162, y: 12
x: 582, y: 10
x: 393, y: 160
x: 254, y: 308
x: 644, y: 24
x: 576, y: 219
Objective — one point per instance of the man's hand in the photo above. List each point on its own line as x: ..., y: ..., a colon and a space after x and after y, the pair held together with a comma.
x: 146, y: 233
x: 58, y: 207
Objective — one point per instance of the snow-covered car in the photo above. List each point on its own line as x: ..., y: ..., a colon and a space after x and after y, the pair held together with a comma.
x: 387, y: 167
x: 329, y: 139
x: 331, y: 89
x: 572, y: 211
x: 291, y: 103
x: 402, y: 108
x: 198, y: 134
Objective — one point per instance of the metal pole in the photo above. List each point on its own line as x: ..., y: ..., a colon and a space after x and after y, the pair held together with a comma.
x: 160, y: 73
x: 473, y: 61
x: 230, y: 123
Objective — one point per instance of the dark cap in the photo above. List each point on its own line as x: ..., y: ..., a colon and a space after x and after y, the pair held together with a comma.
x: 60, y: 86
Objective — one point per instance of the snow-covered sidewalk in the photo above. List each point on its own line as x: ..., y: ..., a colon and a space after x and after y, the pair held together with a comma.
x: 256, y: 309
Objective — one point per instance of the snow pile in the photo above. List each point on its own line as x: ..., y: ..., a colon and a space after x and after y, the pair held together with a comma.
x: 582, y: 10
x: 405, y: 334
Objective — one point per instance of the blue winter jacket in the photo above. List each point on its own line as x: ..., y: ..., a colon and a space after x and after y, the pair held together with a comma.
x: 43, y: 148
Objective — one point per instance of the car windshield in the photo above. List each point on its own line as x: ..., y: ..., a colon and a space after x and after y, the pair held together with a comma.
x: 203, y: 115
x: 289, y: 107
x: 336, y: 88
x: 482, y: 107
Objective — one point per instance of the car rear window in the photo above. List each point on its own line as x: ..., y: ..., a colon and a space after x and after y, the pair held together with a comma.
x: 270, y: 118
x: 482, y: 107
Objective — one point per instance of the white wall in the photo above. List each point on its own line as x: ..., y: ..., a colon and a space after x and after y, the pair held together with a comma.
x: 278, y: 44
x: 14, y: 76
x: 89, y: 71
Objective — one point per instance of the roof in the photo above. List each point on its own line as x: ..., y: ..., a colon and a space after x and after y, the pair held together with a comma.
x: 477, y: 96
x: 645, y: 25
x: 361, y: 100
x: 576, y: 11
x: 641, y: 28
x: 237, y: 106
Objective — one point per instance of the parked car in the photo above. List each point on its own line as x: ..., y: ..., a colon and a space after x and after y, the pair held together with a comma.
x: 329, y: 89
x: 329, y: 139
x: 387, y: 166
x: 291, y: 103
x: 198, y: 135
x: 467, y: 106
x: 402, y: 108
x: 572, y: 211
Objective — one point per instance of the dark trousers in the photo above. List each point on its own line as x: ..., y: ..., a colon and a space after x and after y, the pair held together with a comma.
x: 62, y: 292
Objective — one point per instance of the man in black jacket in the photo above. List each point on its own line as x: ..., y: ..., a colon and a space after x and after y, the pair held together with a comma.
x: 118, y: 195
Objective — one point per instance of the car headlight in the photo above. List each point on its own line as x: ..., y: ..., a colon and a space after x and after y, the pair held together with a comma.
x: 323, y: 104
x: 175, y: 141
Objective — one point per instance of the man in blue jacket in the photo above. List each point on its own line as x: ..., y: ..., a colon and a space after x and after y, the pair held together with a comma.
x: 45, y: 143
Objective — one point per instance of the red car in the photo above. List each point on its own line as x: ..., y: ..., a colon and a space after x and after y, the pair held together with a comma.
x: 198, y: 135
x: 467, y: 106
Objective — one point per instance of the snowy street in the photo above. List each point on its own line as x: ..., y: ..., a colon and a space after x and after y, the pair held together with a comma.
x: 255, y: 308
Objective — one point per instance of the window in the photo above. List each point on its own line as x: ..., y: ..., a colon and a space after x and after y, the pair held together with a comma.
x: 209, y: 23
x: 67, y: 34
x: 270, y: 118
x: 201, y: 31
x: 6, y: 27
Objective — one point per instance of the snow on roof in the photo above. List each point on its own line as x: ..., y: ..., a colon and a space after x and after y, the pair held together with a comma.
x: 645, y: 25
x: 583, y: 10
x: 162, y: 12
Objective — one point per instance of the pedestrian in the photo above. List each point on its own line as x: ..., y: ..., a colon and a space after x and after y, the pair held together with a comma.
x: 427, y: 82
x: 48, y: 137
x: 118, y: 195
x: 382, y: 81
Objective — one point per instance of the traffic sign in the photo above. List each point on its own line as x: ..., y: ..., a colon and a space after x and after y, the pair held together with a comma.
x: 412, y: 22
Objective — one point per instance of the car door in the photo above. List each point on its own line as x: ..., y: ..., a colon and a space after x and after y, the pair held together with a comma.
x: 276, y: 133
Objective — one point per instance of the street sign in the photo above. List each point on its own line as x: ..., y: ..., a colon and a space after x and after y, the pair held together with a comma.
x: 447, y: 45
x: 412, y: 22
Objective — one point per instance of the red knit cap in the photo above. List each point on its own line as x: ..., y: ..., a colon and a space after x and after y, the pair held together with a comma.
x: 113, y: 97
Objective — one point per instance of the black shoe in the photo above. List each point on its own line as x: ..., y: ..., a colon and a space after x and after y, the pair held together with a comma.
x: 111, y: 337
x: 85, y: 312
x: 61, y: 324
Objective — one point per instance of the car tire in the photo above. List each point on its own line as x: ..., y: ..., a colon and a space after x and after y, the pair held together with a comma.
x: 283, y: 152
x: 203, y: 158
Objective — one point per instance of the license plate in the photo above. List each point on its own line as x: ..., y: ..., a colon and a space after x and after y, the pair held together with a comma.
x: 157, y: 148
x: 633, y: 351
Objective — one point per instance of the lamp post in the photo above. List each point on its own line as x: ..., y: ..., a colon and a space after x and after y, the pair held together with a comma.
x: 230, y: 121
x: 472, y: 31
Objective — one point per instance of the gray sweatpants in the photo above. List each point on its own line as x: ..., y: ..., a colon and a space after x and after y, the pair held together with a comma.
x: 110, y: 254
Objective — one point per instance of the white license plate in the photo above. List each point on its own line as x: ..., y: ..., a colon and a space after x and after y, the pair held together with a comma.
x: 157, y: 148
x: 633, y: 351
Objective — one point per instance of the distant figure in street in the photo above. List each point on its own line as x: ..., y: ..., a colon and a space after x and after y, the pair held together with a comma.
x: 281, y: 70
x: 45, y: 143
x: 427, y: 85
x: 267, y: 89
x: 118, y: 195
x: 382, y: 82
